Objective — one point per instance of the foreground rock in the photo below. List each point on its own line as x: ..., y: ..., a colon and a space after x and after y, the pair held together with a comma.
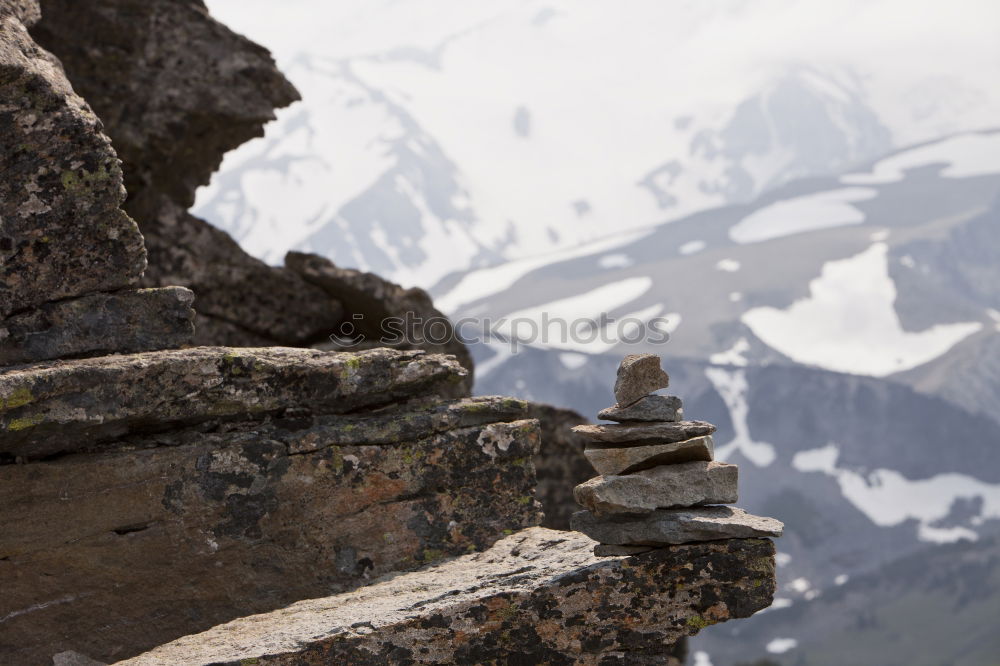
x: 665, y: 487
x: 609, y: 460
x: 62, y: 231
x: 114, y: 552
x: 638, y: 375
x: 674, y: 526
x: 626, y: 434
x: 650, y: 408
x: 101, y: 323
x: 69, y: 406
x: 565, y: 605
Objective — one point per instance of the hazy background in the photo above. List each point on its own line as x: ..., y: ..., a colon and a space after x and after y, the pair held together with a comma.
x: 806, y: 190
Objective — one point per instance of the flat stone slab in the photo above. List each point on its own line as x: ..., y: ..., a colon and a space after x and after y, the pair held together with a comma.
x: 649, y: 408
x: 638, y: 376
x: 66, y: 406
x: 664, y: 487
x: 673, y: 526
x: 627, y: 434
x: 609, y: 460
x: 565, y: 605
x: 100, y: 323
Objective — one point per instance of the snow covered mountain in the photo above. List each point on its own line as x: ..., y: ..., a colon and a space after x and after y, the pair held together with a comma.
x: 844, y: 333
x: 804, y: 194
x: 444, y: 135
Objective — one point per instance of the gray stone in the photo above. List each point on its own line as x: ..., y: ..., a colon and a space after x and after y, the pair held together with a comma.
x: 608, y: 550
x: 564, y: 606
x: 665, y: 487
x: 673, y: 526
x: 628, y: 434
x: 648, y: 408
x: 639, y: 375
x: 65, y: 406
x: 608, y: 460
x: 62, y: 231
x: 99, y: 323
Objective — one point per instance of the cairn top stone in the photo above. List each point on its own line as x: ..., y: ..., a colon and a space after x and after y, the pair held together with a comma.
x: 638, y: 376
x: 650, y: 408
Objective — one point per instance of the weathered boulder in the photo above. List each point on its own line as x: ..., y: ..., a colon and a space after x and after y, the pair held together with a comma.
x: 99, y: 323
x: 627, y: 434
x: 638, y: 375
x: 382, y: 312
x: 673, y: 526
x: 564, y: 606
x: 177, y: 90
x: 113, y: 552
x: 67, y: 406
x: 648, y: 408
x: 608, y: 460
x: 664, y: 487
x: 62, y: 231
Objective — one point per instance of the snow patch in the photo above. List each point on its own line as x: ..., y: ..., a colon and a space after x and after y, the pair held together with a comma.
x: 888, y: 498
x: 732, y: 386
x: 488, y: 281
x: 848, y: 322
x: 822, y: 210
x: 572, y: 360
x: 562, y: 324
x: 732, y: 356
x: 728, y: 265
x: 781, y: 645
x: 617, y: 260
x: 965, y: 156
x: 692, y: 247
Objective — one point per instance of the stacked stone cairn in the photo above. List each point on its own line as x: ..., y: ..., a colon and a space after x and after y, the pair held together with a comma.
x: 659, y: 483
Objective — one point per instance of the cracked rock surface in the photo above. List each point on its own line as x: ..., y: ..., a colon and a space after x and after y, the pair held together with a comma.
x: 564, y: 606
x: 66, y: 406
x: 117, y: 550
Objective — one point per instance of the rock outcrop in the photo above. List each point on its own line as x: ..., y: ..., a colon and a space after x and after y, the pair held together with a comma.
x: 564, y: 606
x: 67, y: 248
x: 132, y: 542
x: 176, y: 90
x: 150, y: 491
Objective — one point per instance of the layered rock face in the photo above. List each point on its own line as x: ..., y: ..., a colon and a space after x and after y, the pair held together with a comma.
x: 178, y: 490
x: 564, y: 606
x: 176, y: 90
x: 65, y: 241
